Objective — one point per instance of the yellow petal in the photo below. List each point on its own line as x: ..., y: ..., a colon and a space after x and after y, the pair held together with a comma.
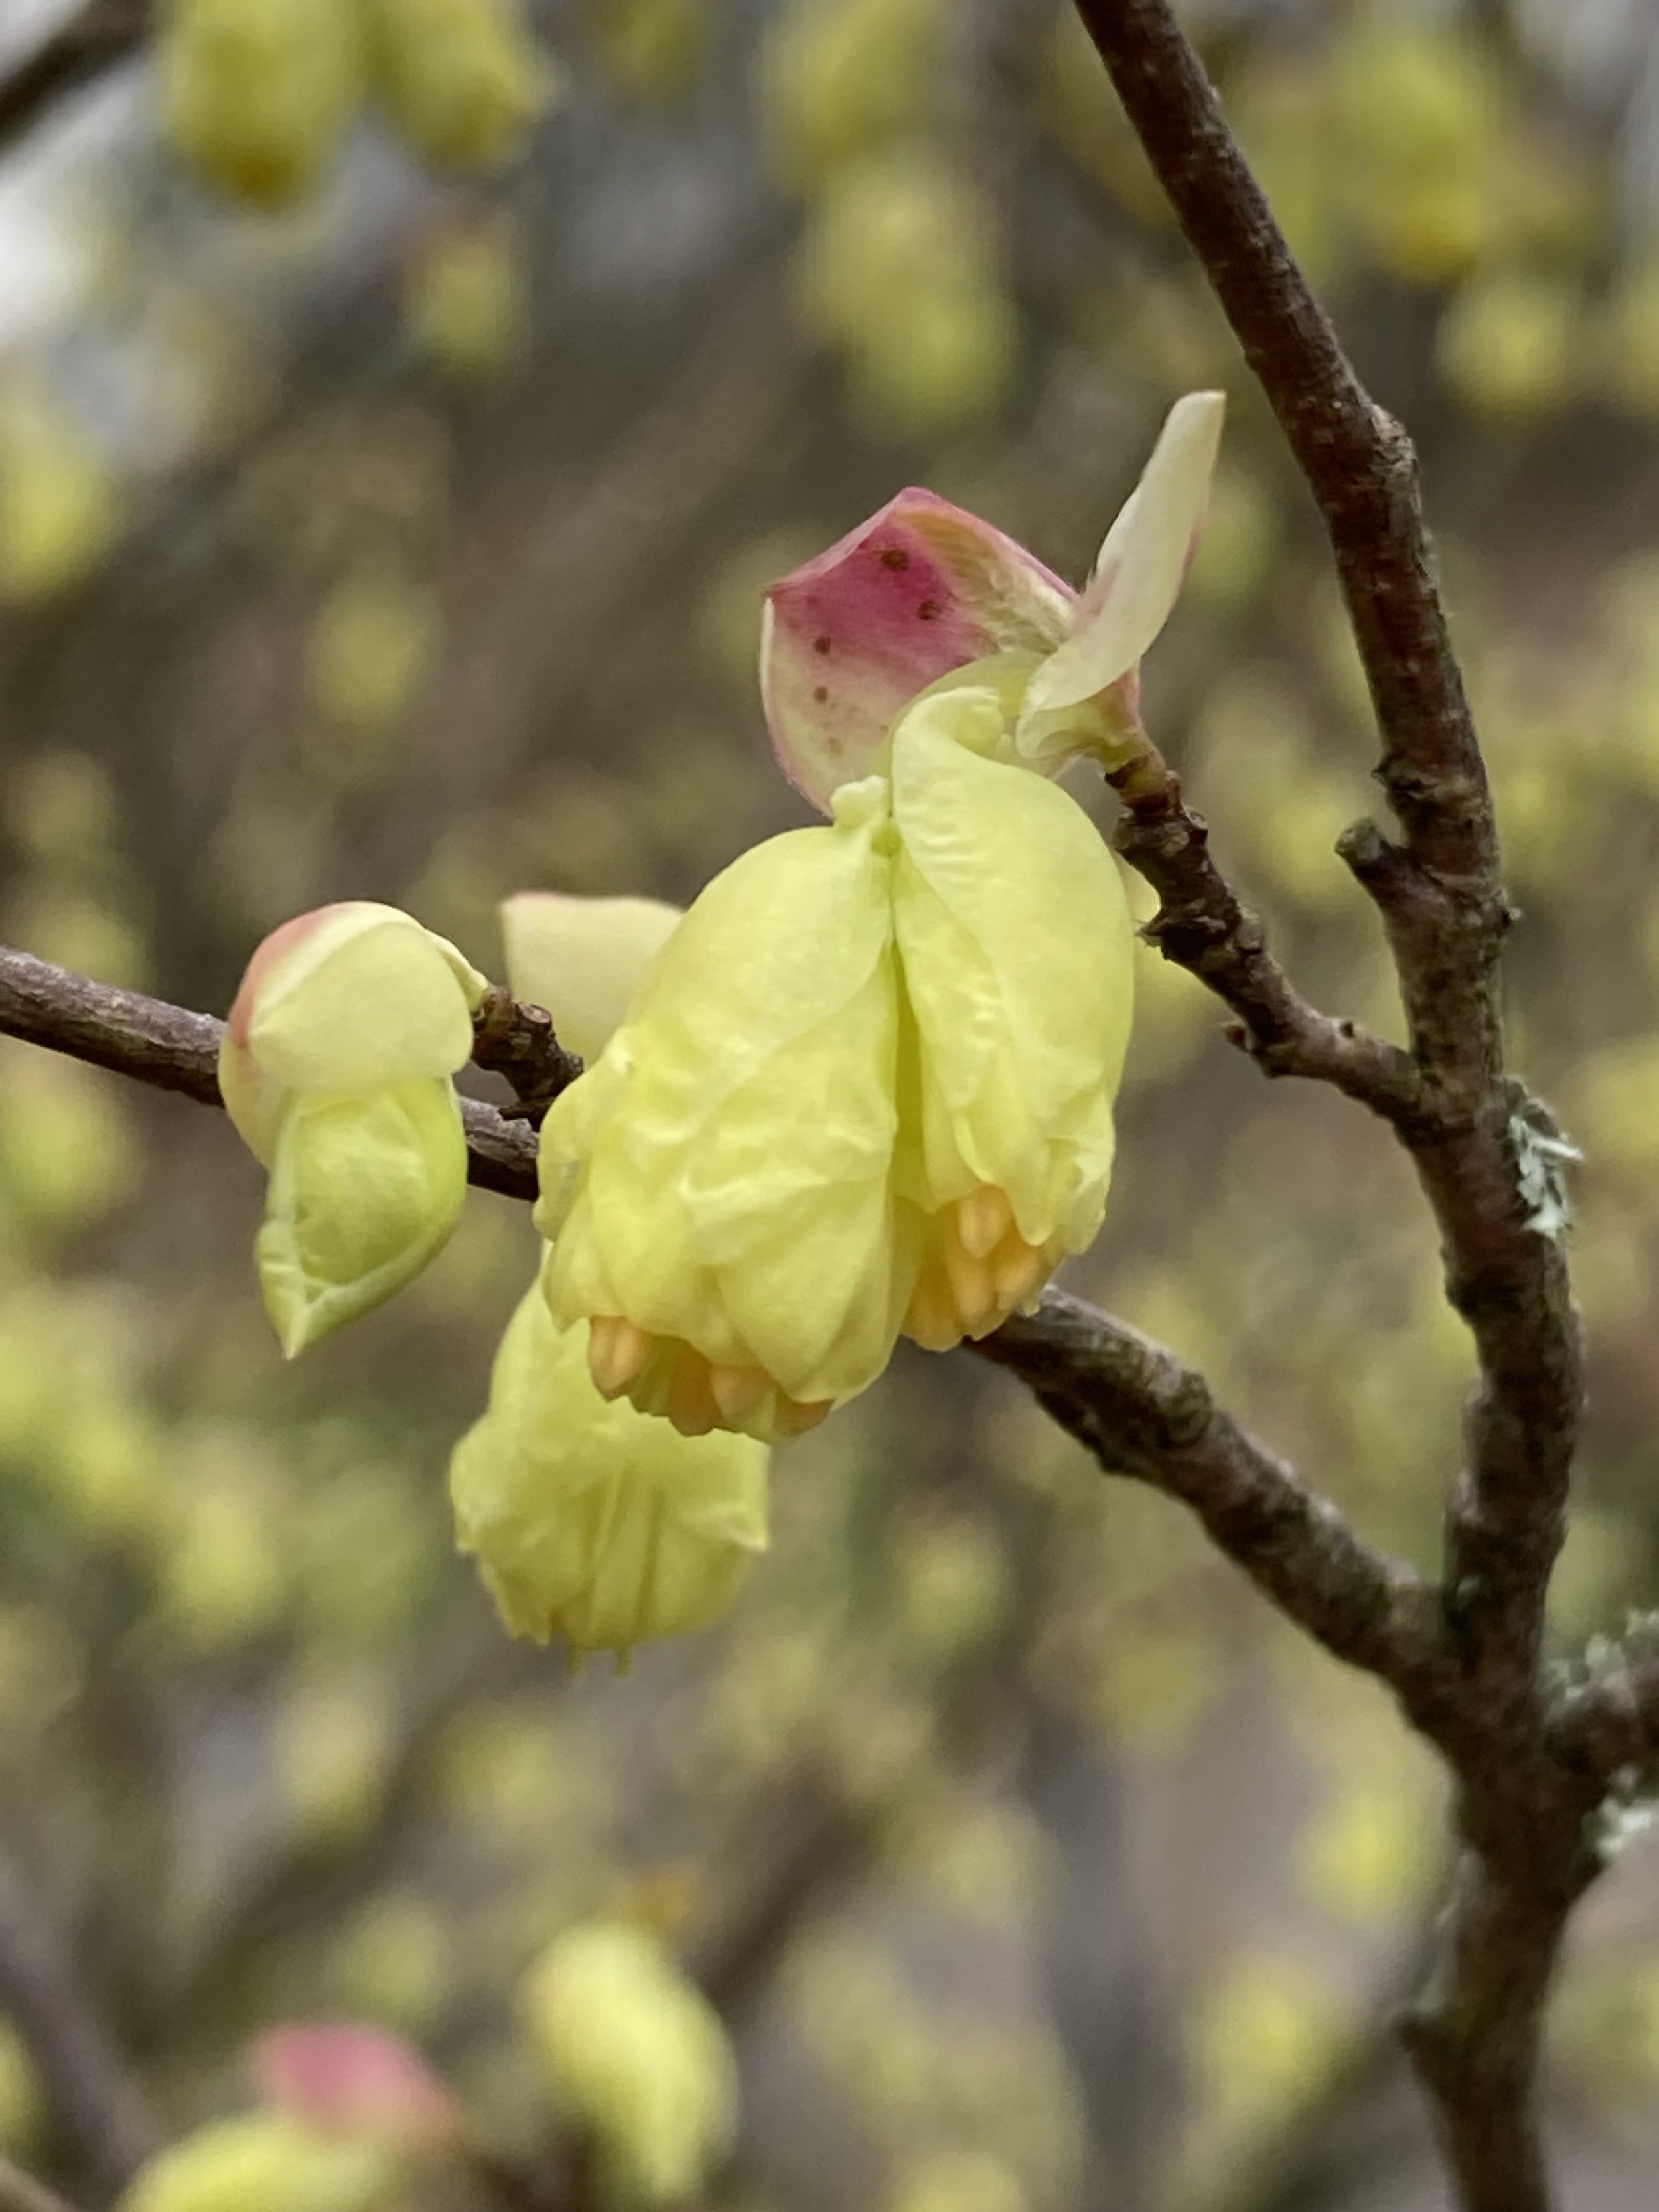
x: 592, y: 1520
x: 720, y: 1178
x: 354, y: 998
x: 1137, y: 574
x: 1016, y: 949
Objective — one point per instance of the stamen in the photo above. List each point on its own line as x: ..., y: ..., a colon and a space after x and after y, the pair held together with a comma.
x: 616, y: 1351
x: 737, y: 1391
x: 691, y: 1406
x: 795, y: 1417
x: 933, y: 1320
x: 1019, y: 1268
x: 981, y: 1219
x: 972, y: 1287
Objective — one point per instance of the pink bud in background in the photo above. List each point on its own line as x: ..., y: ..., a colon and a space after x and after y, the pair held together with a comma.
x: 348, y: 2078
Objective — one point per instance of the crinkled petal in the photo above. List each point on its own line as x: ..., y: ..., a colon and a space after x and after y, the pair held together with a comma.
x: 1017, y: 948
x: 589, y: 1520
x: 721, y: 1177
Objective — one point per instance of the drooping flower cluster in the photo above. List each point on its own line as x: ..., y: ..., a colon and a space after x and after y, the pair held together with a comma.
x: 863, y: 1088
x: 866, y: 1091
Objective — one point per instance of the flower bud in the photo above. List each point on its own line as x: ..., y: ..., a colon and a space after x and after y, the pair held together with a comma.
x: 591, y: 1521
x: 582, y: 958
x: 266, y: 2160
x: 348, y: 2078
x: 257, y: 94
x: 853, y: 636
x: 364, y: 1192
x: 924, y: 591
x: 335, y: 1067
x: 1018, y: 950
x: 59, y: 508
x: 344, y: 999
x: 636, y: 2052
x: 463, y: 80
x: 718, y: 1183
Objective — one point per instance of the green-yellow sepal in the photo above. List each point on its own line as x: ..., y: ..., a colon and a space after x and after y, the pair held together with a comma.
x: 364, y: 1191
x: 591, y: 1521
x: 638, y: 2054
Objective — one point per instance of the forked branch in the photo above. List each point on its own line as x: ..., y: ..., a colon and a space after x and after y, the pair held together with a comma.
x: 1475, y: 1143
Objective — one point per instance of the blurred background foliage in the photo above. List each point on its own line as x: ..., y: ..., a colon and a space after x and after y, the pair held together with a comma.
x: 406, y: 543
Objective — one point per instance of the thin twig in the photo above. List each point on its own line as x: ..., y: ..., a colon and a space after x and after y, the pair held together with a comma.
x: 1201, y: 926
x: 519, y: 1043
x: 97, y: 2099
x: 173, y: 1050
x: 97, y: 36
x: 1143, y: 1413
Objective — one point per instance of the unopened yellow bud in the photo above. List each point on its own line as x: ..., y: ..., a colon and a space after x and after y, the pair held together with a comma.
x: 466, y: 305
x: 463, y: 80
x: 58, y: 509
x: 591, y: 1521
x: 636, y: 2052
x: 344, y: 999
x: 336, y: 1067
x: 582, y: 958
x: 257, y: 93
x: 265, y: 2162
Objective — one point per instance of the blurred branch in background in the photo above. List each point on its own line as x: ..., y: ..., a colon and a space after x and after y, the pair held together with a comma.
x: 93, y: 37
x: 95, y: 2095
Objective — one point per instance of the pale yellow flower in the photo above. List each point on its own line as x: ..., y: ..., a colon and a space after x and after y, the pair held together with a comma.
x: 636, y: 2052
x: 866, y: 1088
x: 591, y: 1521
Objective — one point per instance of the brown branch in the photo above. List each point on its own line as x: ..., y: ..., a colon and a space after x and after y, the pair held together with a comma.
x: 1201, y: 926
x: 172, y: 1049
x: 94, y: 2096
x: 1143, y: 1413
x: 1132, y: 1403
x: 518, y: 1042
x: 1439, y: 893
x: 1474, y: 1145
x: 22, y: 2192
x: 98, y: 35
